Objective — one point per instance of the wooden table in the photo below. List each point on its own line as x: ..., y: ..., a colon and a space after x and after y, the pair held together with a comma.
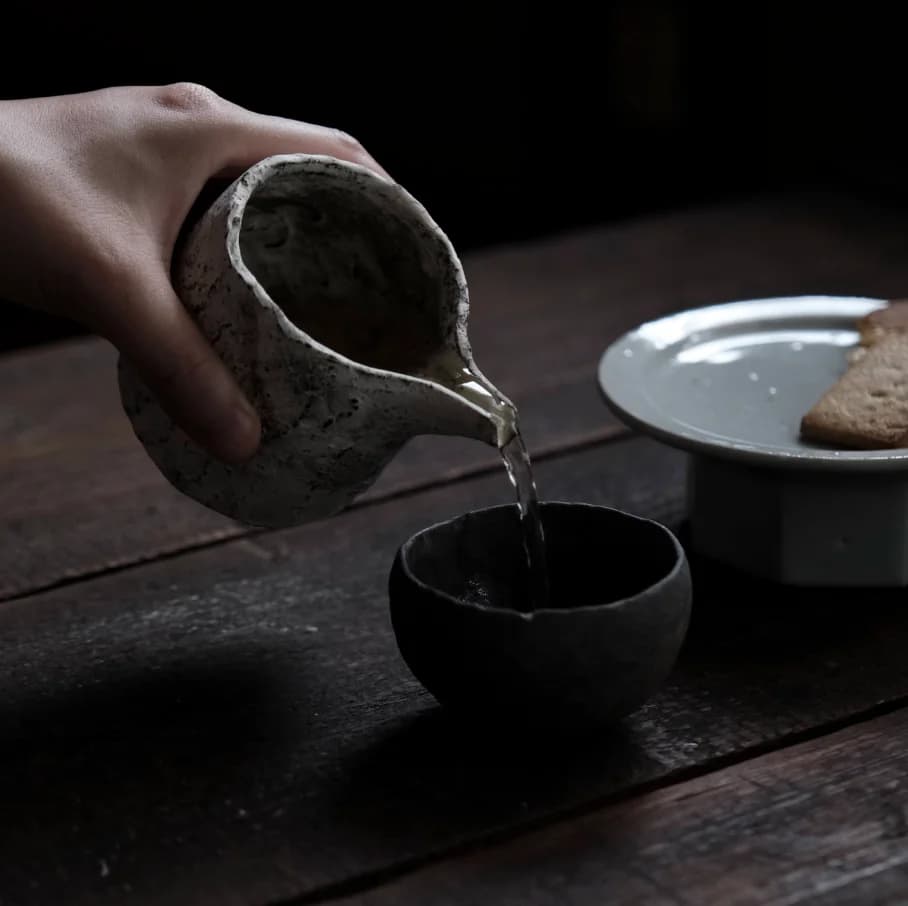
x: 196, y: 713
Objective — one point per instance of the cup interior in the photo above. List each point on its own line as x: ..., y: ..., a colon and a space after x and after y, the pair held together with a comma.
x: 596, y: 556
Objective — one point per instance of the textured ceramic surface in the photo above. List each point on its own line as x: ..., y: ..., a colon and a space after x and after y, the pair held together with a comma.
x: 620, y: 607
x: 729, y: 383
x: 325, y: 288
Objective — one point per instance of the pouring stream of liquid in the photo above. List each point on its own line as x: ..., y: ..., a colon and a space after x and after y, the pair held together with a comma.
x: 454, y: 374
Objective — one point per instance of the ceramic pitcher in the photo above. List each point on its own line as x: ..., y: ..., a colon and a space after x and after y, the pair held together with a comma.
x: 341, y: 308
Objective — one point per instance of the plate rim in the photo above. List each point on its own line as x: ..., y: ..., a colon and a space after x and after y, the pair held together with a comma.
x: 818, y: 459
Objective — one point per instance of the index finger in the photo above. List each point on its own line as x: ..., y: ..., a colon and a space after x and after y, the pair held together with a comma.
x: 247, y: 137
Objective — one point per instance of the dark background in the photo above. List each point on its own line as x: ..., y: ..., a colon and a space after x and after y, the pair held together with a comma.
x: 509, y: 122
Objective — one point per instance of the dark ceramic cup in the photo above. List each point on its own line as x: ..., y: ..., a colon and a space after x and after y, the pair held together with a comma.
x: 618, y: 612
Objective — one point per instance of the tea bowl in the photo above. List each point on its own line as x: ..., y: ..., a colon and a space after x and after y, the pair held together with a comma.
x: 618, y: 612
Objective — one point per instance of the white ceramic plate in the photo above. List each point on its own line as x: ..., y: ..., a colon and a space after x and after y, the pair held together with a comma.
x: 734, y: 380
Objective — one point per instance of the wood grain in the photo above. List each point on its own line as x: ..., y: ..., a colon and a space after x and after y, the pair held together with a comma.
x: 235, y: 725
x: 824, y: 822
x: 79, y: 496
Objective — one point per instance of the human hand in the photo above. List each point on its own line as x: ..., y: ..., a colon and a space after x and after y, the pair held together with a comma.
x: 94, y: 189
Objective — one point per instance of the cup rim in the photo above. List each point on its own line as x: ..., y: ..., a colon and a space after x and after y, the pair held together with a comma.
x: 678, y: 566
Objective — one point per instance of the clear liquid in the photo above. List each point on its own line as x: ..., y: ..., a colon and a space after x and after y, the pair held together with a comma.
x: 517, y: 462
x: 452, y: 373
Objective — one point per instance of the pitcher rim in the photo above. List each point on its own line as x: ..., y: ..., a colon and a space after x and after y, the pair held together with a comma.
x: 239, y: 196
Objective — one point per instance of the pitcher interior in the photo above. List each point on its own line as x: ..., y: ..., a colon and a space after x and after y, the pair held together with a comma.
x: 352, y: 268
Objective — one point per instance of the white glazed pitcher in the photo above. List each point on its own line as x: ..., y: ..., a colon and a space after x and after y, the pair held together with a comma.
x: 341, y: 309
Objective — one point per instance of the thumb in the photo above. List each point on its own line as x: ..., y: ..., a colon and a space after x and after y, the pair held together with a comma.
x: 162, y: 342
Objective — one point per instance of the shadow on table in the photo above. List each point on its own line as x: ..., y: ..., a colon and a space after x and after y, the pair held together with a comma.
x: 139, y: 749
x: 445, y: 779
x: 763, y: 661
x: 737, y: 616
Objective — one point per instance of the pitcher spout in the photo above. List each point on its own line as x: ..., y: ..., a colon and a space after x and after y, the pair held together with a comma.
x: 455, y: 398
